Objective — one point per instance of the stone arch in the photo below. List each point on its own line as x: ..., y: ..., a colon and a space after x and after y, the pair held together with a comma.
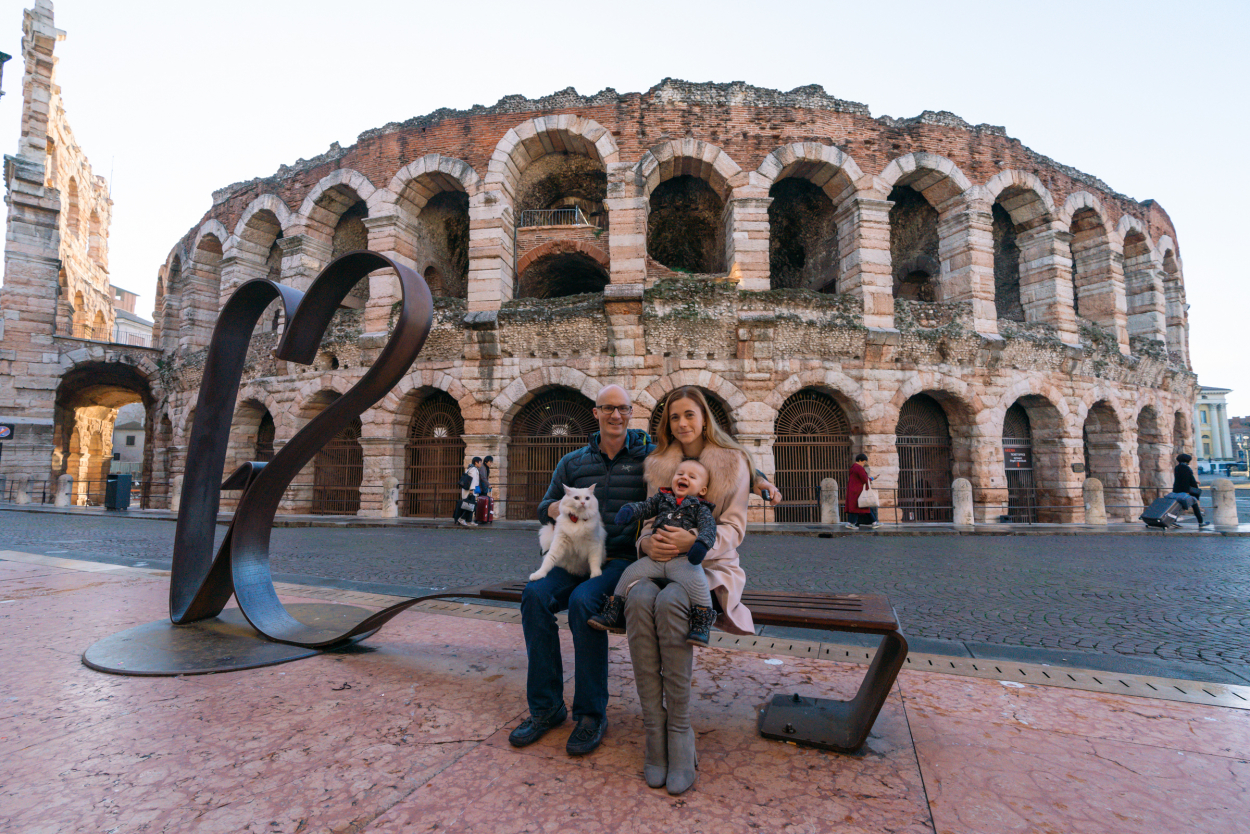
x: 1174, y: 301
x: 825, y: 166
x: 81, y: 324
x: 264, y: 222
x: 1182, y: 434
x: 336, y: 192
x: 1054, y: 494
x: 535, y: 138
x: 100, y: 327
x: 686, y: 157
x: 812, y: 441
x: 1108, y: 458
x: 807, y: 182
x: 523, y: 389
x: 729, y: 394
x: 688, y: 187
x: 73, y: 214
x: 560, y: 268
x: 414, y: 185
x: 392, y: 413
x: 848, y: 393
x: 1022, y: 211
x: 1143, y: 282
x: 934, y: 177
x: 203, y: 295
x: 95, y: 240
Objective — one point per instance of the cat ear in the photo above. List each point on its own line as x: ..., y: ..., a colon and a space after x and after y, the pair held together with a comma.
x: 566, y: 488
x: 592, y: 488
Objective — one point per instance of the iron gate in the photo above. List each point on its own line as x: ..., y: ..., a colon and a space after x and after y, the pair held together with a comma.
x: 1018, y: 464
x: 337, y: 472
x: 545, y: 430
x: 924, y: 461
x: 813, y: 443
x: 434, y: 458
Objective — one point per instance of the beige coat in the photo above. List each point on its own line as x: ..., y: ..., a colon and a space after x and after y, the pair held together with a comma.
x: 728, y: 488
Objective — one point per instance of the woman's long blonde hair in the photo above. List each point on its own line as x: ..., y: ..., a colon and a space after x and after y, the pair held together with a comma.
x: 712, y: 432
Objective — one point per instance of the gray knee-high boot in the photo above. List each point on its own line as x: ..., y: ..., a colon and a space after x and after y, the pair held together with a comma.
x: 644, y: 653
x: 672, y: 622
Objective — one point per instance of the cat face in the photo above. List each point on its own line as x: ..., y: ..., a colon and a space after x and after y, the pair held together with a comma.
x: 579, y: 502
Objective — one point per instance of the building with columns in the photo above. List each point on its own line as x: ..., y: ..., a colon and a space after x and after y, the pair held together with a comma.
x: 926, y: 291
x: 1213, y: 439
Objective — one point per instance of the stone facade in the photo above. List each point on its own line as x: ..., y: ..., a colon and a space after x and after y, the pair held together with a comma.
x: 743, y: 241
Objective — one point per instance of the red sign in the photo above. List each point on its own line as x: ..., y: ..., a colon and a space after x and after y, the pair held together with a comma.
x: 6, y: 431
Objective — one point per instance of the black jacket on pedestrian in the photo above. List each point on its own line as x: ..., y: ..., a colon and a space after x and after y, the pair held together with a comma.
x: 618, y: 481
x: 1183, y: 478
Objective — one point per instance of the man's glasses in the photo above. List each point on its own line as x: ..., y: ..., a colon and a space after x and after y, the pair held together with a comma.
x: 621, y: 409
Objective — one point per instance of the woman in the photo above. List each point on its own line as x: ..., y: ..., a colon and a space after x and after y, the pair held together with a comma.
x: 657, y: 618
x: 469, y: 481
x: 1185, y: 487
x: 858, y: 481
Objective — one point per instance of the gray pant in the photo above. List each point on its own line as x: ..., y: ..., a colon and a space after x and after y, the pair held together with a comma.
x: 679, y: 570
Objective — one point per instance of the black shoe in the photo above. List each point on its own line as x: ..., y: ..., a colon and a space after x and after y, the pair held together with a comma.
x: 531, y: 729
x: 701, y: 619
x: 587, y: 736
x: 611, y: 618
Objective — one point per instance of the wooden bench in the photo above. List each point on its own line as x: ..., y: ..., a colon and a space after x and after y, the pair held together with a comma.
x: 818, y: 722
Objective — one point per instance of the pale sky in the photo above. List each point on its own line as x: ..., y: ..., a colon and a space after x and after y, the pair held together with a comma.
x: 179, y: 99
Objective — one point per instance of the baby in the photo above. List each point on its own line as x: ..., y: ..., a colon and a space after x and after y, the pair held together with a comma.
x: 682, y: 506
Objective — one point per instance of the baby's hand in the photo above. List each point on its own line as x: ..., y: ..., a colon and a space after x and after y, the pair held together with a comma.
x: 624, y: 515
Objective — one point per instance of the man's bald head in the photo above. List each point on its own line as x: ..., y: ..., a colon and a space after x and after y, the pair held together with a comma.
x: 612, y: 395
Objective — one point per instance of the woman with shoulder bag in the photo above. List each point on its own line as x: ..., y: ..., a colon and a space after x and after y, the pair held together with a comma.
x: 468, y: 495
x: 1185, y: 487
x: 861, y: 499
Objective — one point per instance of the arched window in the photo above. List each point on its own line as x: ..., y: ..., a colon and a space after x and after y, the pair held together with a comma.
x: 686, y: 228
x: 562, y: 274
x: 337, y: 472
x: 434, y: 458
x: 914, y: 245
x: 95, y: 240
x: 350, y: 234
x: 813, y: 443
x: 1007, y: 301
x: 1151, y: 462
x: 547, y: 428
x: 1018, y: 463
x: 73, y: 220
x: 265, y: 433
x: 924, y: 461
x: 802, y: 237
x: 100, y: 328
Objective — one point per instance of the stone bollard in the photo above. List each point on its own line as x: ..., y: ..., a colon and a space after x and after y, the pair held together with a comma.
x: 21, y: 489
x: 961, y: 489
x: 390, y: 497
x: 175, y: 495
x: 1225, y: 514
x: 64, y: 490
x: 830, y: 506
x: 1095, y: 504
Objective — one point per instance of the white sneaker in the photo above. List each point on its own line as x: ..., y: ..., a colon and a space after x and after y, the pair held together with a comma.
x: 874, y: 525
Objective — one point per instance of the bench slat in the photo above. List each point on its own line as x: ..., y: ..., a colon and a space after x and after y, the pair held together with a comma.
x: 839, y: 612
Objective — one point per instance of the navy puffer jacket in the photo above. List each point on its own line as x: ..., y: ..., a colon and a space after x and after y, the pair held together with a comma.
x: 619, y: 482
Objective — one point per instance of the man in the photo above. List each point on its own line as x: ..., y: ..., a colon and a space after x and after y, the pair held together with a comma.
x: 613, y: 463
x: 483, y: 473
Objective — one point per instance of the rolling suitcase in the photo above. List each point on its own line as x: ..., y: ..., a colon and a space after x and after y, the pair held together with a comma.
x: 1164, y: 513
x: 485, y: 510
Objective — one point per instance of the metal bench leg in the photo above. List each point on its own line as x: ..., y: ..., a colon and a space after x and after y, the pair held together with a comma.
x: 837, y: 725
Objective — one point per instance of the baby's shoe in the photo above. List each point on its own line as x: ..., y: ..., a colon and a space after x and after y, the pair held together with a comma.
x: 612, y: 617
x: 701, y: 619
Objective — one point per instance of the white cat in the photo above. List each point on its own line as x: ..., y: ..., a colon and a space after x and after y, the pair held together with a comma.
x: 576, y: 541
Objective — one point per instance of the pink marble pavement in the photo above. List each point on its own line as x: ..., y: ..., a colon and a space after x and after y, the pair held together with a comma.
x: 411, y: 735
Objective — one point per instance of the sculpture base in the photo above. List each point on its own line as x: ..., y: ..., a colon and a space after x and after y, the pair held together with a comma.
x: 225, y: 643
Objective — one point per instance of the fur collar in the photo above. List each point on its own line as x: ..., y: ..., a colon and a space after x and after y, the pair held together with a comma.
x: 723, y: 466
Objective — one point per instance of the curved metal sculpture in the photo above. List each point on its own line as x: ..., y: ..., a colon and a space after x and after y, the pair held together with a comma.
x: 201, y: 583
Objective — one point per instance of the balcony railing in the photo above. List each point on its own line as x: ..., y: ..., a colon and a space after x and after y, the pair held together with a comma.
x: 572, y: 216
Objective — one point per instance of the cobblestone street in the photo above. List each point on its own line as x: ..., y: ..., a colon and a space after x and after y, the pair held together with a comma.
x: 1141, y: 604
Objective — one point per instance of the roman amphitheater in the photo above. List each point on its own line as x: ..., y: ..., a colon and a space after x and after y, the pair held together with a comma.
x: 929, y: 292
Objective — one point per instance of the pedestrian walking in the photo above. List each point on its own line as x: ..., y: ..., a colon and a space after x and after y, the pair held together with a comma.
x: 1185, y: 487
x: 858, y: 482
x: 468, y: 495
